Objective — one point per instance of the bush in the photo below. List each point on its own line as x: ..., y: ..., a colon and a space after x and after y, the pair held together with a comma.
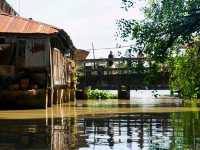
x: 99, y: 94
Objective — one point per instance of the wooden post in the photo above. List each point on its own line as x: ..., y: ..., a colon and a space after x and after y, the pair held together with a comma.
x: 72, y: 95
x: 68, y: 94
x: 51, y: 75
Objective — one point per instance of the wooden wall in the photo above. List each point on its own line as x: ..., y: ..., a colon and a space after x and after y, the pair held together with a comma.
x: 37, y: 53
x: 28, y: 52
x: 34, y: 53
x: 63, y: 69
x: 7, y: 47
x: 59, y: 67
x: 25, y: 53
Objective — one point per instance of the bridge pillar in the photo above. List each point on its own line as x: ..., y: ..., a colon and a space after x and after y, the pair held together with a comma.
x: 81, y: 94
x: 123, y: 92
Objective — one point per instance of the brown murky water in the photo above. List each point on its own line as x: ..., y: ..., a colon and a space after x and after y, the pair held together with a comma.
x: 154, y: 124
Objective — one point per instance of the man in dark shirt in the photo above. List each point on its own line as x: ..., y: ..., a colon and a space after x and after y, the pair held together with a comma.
x: 110, y: 57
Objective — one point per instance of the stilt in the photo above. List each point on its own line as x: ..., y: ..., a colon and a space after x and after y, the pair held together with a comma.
x: 81, y: 94
x: 72, y: 95
x: 123, y: 92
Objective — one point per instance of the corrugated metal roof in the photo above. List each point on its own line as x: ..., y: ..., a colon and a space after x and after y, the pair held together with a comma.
x: 16, y: 24
x: 80, y: 54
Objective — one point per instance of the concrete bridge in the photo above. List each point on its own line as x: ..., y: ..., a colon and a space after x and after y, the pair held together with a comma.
x: 133, y: 73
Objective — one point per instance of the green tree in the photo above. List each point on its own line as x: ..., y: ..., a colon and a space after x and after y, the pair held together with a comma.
x: 167, y: 24
x: 167, y: 27
x: 185, y: 71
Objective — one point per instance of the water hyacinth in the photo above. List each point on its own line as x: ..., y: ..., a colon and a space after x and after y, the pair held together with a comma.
x: 99, y: 94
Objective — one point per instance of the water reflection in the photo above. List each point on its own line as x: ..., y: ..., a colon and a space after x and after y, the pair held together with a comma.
x: 136, y: 131
x: 128, y: 131
x: 133, y: 103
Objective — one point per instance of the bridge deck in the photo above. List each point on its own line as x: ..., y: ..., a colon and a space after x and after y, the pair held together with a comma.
x: 131, y: 72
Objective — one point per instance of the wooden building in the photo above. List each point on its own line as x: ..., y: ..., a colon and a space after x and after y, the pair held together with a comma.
x: 80, y: 54
x: 33, y: 57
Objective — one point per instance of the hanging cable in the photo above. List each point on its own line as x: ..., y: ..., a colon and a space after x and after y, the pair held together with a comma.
x: 110, y: 48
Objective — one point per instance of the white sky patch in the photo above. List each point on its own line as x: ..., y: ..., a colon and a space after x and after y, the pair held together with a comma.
x: 86, y: 21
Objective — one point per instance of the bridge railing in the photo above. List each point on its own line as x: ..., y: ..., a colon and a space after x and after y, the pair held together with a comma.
x: 119, y: 66
x: 133, y: 59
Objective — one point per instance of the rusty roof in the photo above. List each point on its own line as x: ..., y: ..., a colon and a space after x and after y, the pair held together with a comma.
x: 17, y: 25
x: 80, y: 54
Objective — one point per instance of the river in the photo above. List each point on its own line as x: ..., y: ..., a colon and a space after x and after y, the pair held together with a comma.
x: 142, y: 123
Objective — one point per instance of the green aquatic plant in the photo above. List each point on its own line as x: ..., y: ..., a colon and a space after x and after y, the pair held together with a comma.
x: 100, y: 94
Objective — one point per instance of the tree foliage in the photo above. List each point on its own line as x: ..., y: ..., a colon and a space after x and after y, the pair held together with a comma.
x: 186, y: 71
x: 167, y: 24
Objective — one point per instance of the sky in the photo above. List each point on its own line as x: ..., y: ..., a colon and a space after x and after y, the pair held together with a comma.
x: 86, y: 21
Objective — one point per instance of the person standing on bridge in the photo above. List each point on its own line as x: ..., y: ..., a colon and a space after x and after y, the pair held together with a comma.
x: 140, y: 65
x: 110, y: 57
x: 110, y: 62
